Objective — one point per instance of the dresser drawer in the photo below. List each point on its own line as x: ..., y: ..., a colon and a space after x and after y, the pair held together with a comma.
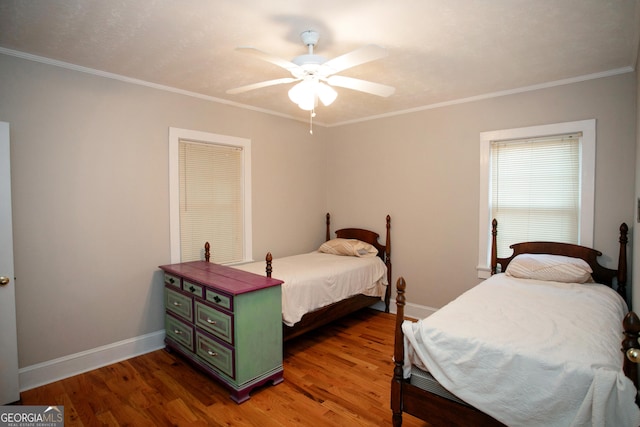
x: 219, y: 299
x: 193, y: 288
x: 215, y: 321
x: 172, y: 280
x: 178, y: 303
x: 178, y: 331
x: 215, y: 354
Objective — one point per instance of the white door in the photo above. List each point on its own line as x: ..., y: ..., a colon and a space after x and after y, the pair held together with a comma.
x: 9, y: 390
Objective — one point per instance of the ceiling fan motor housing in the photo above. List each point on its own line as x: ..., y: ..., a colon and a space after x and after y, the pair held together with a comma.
x: 310, y: 37
x: 303, y: 60
x: 309, y: 62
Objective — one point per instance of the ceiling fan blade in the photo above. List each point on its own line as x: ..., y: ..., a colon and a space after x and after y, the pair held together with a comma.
x: 359, y: 56
x: 253, y: 86
x: 361, y: 85
x: 287, y: 65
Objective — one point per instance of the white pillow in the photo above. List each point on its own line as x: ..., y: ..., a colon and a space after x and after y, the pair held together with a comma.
x: 348, y: 247
x: 554, y: 268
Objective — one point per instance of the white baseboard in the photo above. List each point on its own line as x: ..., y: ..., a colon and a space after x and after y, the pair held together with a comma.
x: 74, y: 364
x: 414, y: 311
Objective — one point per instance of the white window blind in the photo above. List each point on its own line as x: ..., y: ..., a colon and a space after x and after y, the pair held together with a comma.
x: 535, y: 190
x: 211, y: 201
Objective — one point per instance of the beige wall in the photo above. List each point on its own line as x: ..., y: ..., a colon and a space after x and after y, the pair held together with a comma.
x: 90, y: 187
x: 428, y: 170
x: 90, y: 199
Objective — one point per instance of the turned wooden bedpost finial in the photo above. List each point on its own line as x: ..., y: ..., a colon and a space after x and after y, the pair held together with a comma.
x: 494, y: 246
x: 268, y: 259
x: 398, y: 355
x: 207, y: 253
x: 328, y: 232
x: 622, y: 261
x: 631, y: 326
x: 388, y: 240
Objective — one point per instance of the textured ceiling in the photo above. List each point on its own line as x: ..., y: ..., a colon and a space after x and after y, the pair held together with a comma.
x: 439, y: 50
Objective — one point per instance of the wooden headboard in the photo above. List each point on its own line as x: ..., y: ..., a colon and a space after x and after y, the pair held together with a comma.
x: 600, y: 273
x: 384, y: 251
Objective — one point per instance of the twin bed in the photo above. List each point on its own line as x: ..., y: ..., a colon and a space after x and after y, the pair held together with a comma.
x: 539, y: 343
x: 345, y: 274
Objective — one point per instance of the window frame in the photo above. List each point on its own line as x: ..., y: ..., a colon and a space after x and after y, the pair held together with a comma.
x: 177, y: 134
x: 587, y: 171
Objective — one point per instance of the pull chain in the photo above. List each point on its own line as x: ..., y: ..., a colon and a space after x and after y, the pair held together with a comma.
x: 312, y: 114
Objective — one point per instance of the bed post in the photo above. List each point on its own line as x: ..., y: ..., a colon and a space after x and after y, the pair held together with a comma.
x: 387, y: 261
x: 398, y: 356
x: 631, y: 326
x: 494, y: 246
x: 328, y: 233
x: 622, y: 261
x: 268, y: 260
x: 207, y: 253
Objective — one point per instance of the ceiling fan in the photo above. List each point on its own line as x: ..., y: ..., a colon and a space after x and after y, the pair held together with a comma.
x: 316, y: 75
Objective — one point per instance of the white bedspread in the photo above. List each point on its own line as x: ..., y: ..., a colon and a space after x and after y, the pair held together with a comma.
x: 316, y: 279
x: 530, y: 353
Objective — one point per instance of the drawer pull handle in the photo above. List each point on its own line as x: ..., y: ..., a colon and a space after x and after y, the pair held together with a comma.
x: 211, y: 322
x: 177, y: 304
x: 177, y: 332
x: 212, y: 353
x: 172, y: 280
x: 192, y: 289
x: 217, y: 299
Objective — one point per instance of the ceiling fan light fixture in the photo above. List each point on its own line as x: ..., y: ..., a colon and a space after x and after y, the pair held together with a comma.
x: 326, y: 93
x: 306, y: 94
x: 308, y: 104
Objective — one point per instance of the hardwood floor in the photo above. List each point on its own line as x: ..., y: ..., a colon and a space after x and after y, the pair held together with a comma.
x: 339, y: 376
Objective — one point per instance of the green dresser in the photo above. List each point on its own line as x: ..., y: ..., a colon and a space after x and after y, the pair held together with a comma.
x: 225, y: 321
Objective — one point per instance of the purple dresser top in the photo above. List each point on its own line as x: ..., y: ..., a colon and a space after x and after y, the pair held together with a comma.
x: 225, y: 278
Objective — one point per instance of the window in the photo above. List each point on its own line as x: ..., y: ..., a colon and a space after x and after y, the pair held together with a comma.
x: 210, y: 196
x: 538, y: 182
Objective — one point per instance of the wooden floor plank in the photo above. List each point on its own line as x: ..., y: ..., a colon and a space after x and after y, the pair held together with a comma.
x: 340, y: 375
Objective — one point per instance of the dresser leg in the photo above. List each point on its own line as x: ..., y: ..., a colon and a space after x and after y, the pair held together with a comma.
x: 277, y: 379
x: 242, y: 395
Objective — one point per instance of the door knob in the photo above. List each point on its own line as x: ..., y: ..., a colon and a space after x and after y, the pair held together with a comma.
x: 4, y: 280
